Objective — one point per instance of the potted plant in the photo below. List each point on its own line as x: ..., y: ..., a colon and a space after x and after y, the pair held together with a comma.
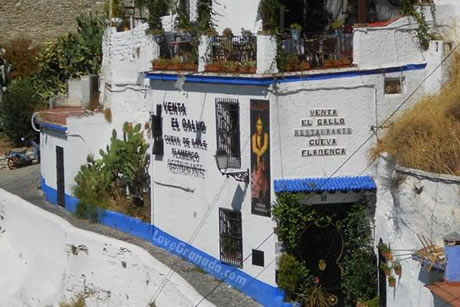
x: 397, y: 268
x: 328, y: 63
x: 248, y: 67
x: 391, y: 281
x: 213, y: 67
x: 292, y: 62
x: 227, y: 32
x: 385, y: 268
x: 295, y: 30
x: 159, y: 64
x: 385, y: 251
x: 175, y: 64
x: 305, y: 65
x: 230, y: 66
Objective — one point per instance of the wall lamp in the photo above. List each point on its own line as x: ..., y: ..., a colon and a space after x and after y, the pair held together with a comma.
x: 222, y: 164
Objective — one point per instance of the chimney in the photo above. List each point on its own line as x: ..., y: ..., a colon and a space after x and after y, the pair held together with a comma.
x: 452, y: 252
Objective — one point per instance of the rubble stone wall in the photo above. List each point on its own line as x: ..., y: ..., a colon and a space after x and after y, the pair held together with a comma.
x: 40, y: 20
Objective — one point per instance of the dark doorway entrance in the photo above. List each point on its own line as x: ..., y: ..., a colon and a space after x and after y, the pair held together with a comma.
x: 60, y: 176
x: 322, y: 248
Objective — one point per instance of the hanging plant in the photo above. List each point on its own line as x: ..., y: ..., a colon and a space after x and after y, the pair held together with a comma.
x: 424, y: 33
x: 205, y: 16
x: 157, y: 8
x: 183, y: 18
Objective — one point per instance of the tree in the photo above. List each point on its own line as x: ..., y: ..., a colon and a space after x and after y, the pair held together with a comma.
x: 16, y: 108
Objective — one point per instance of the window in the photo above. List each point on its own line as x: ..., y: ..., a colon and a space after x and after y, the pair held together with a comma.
x: 393, y: 86
x: 228, y: 130
x: 230, y: 235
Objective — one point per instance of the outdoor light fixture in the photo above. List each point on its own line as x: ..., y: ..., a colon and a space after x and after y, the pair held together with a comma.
x: 222, y: 164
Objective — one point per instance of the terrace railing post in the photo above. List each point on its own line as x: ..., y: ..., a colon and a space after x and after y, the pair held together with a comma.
x: 204, y: 52
x: 266, y: 54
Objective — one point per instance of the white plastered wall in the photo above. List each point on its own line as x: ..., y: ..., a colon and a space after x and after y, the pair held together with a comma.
x: 46, y: 261
x: 187, y: 207
x: 409, y: 205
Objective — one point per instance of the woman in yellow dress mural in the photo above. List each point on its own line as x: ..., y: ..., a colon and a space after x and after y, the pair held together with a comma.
x: 260, y: 184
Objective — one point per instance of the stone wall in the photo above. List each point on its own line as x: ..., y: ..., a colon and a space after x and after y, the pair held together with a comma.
x: 41, y: 20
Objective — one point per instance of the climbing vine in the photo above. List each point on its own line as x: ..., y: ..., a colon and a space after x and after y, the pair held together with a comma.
x: 424, y: 33
x: 359, y: 276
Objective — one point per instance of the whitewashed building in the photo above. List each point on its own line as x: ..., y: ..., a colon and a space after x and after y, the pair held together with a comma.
x: 280, y: 132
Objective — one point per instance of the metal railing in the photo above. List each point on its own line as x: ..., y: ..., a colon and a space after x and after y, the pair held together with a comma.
x: 238, y: 49
x: 179, y: 46
x: 316, y: 49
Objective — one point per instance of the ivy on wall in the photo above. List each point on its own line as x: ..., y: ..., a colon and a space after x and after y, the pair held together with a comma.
x: 359, y: 275
x: 424, y: 33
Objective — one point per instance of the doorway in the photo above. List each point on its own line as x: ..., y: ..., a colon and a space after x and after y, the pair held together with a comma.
x: 60, y: 176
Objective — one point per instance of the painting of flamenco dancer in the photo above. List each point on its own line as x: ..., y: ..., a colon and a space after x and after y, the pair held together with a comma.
x: 260, y: 157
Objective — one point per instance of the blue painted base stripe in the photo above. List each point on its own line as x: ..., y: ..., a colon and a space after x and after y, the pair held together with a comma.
x: 254, y: 288
x: 280, y: 78
x: 53, y: 126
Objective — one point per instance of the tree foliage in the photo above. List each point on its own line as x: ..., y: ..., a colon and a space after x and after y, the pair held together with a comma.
x: 71, y: 56
x: 157, y: 8
x: 16, y: 108
x: 22, y: 56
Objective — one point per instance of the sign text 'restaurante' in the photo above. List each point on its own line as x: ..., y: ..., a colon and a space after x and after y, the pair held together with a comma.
x: 322, y: 122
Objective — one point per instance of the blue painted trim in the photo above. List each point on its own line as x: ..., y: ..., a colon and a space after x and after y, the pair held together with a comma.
x: 265, y: 81
x: 332, y: 184
x: 254, y: 288
x: 53, y: 127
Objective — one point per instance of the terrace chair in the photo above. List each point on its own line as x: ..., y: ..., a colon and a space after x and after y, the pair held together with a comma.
x: 312, y: 48
x: 329, y: 50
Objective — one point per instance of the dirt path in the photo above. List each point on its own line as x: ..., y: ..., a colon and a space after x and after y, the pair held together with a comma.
x: 25, y: 182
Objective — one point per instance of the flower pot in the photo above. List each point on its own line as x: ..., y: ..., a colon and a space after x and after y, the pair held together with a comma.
x: 295, y: 34
x: 305, y: 66
x: 361, y: 304
x: 231, y: 69
x: 244, y: 69
x: 392, y: 283
x: 174, y: 67
x: 328, y: 63
x: 159, y: 66
x: 387, y: 272
x: 212, y: 68
x: 398, y: 271
x: 252, y: 69
x: 190, y: 67
x: 388, y: 255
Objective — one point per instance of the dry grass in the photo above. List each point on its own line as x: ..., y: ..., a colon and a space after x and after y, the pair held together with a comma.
x: 108, y: 115
x: 427, y: 137
x: 78, y: 301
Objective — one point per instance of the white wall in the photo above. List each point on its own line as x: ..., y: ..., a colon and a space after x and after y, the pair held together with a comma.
x: 39, y: 267
x: 402, y: 213
x: 237, y: 14
x: 85, y: 135
x: 183, y: 203
x: 126, y: 54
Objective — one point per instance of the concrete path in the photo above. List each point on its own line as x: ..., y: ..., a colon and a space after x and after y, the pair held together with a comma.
x: 25, y: 182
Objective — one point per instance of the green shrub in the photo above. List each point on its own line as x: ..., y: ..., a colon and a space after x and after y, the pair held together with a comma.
x: 71, y: 56
x: 292, y: 274
x: 16, y: 108
x: 121, y: 169
x: 87, y: 211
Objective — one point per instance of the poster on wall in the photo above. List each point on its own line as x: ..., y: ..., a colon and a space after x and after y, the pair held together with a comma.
x: 260, y: 157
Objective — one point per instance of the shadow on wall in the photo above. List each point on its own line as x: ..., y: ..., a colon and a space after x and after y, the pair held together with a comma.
x: 238, y: 197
